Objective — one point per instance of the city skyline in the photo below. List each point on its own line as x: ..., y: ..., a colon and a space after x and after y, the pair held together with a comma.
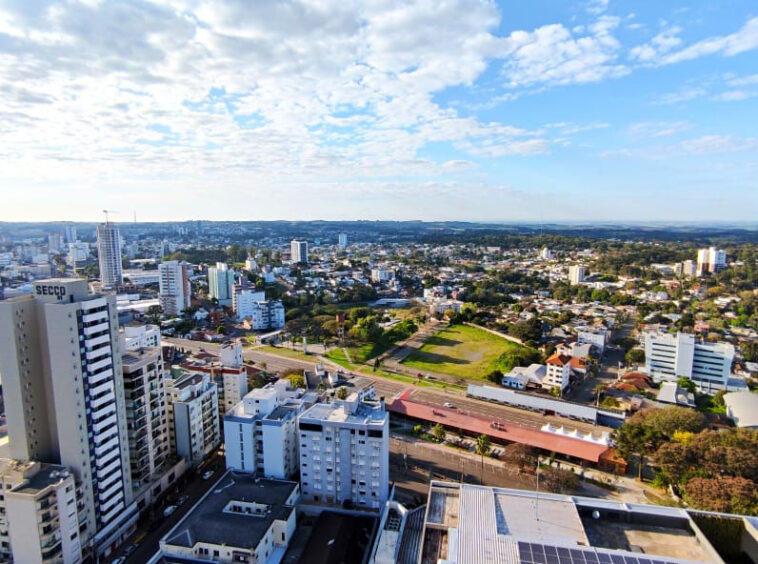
x: 585, y: 111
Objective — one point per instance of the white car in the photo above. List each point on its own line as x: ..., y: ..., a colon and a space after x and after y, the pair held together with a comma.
x: 208, y: 474
x: 169, y: 510
x: 450, y: 405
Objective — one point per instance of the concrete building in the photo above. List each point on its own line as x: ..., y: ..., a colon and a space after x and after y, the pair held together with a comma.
x: 558, y: 371
x: 379, y: 275
x: 546, y: 254
x: 78, y: 253
x: 596, y: 336
x: 262, y: 315
x: 146, y: 414
x: 39, y: 518
x: 174, y: 287
x: 231, y: 354
x: 244, y: 300
x: 299, y: 251
x: 261, y: 431
x: 251, y: 265
x: 220, y: 282
x: 54, y: 243
x: 344, y: 453
x: 342, y: 241
x: 61, y: 367
x: 710, y: 260
x: 138, y: 336
x: 576, y: 274
x: 193, y: 414
x: 109, y: 255
x: 669, y: 357
x: 521, y: 377
x: 69, y: 232
x: 240, y: 519
x: 742, y: 407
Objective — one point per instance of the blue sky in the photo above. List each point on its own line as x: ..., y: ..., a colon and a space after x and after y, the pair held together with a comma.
x: 422, y: 109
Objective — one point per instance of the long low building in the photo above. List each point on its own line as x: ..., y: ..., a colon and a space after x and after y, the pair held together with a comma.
x: 591, y: 450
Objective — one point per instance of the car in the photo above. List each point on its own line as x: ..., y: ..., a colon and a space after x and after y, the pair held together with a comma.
x: 119, y: 560
x: 448, y: 404
x: 208, y: 474
x: 169, y: 510
x: 129, y: 549
x: 181, y: 500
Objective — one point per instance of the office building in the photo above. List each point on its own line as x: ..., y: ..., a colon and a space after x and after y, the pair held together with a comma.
x: 146, y: 414
x: 299, y: 251
x: 710, y: 260
x: 576, y: 274
x: 174, y: 287
x: 220, y: 283
x: 109, y: 255
x: 669, y: 357
x: 193, y: 414
x: 344, y: 453
x: 261, y: 431
x: 342, y: 241
x: 240, y: 519
x: 39, y: 514
x: 61, y: 366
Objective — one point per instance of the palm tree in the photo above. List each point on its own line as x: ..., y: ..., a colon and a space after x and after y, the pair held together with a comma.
x: 483, y: 446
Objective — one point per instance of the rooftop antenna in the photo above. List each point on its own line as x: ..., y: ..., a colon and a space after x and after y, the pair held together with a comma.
x: 106, y: 212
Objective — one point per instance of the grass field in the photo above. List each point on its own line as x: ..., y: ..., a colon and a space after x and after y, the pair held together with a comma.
x: 289, y: 353
x: 460, y: 350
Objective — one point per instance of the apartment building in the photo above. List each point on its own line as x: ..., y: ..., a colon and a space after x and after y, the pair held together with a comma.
x: 64, y: 396
x: 261, y: 431
x: 146, y: 414
x: 558, y: 372
x: 669, y: 357
x: 299, y: 251
x: 220, y: 283
x: 174, y: 287
x: 710, y: 260
x: 139, y: 336
x: 109, y: 255
x: 39, y: 513
x: 576, y: 274
x: 193, y: 414
x: 261, y: 315
x: 344, y: 453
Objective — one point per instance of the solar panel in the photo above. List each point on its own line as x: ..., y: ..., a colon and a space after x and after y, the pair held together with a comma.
x: 535, y: 553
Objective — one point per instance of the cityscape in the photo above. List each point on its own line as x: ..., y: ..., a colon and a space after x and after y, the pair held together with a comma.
x: 396, y: 282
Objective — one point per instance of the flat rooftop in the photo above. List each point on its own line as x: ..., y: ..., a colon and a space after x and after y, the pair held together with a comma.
x: 47, y: 475
x: 365, y: 414
x: 211, y: 522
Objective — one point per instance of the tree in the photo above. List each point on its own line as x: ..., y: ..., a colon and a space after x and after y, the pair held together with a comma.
x: 686, y: 384
x: 559, y: 480
x: 483, y: 446
x: 521, y: 455
x: 496, y: 376
x: 342, y: 393
x: 635, y: 356
x: 674, y: 459
x: 296, y: 377
x: 417, y: 430
x: 529, y: 330
x: 438, y: 432
x: 728, y: 494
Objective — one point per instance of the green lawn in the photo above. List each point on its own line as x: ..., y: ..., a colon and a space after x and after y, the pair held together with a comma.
x: 463, y: 351
x: 289, y: 353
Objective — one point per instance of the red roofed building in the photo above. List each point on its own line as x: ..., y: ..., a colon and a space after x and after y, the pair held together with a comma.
x: 558, y: 372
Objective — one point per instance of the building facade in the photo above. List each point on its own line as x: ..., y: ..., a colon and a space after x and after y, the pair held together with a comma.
x: 193, y: 414
x: 710, y: 260
x: 669, y: 357
x: 174, y: 287
x: 299, y: 251
x: 109, y: 255
x: 576, y: 273
x: 220, y: 283
x: 558, y: 372
x: 342, y: 241
x: 344, y: 453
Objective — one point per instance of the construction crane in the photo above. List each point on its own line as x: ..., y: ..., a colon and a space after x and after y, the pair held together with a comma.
x: 106, y: 212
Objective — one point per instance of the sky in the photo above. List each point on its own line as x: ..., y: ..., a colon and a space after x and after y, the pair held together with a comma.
x: 546, y: 110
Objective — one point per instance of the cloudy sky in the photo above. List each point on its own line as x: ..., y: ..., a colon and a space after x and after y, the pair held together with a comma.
x: 418, y: 109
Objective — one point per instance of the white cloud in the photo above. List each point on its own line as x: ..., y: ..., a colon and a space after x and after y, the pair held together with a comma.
x: 597, y: 6
x: 684, y: 95
x: 703, y: 146
x: 658, y: 129
x: 662, y: 43
x: 553, y: 55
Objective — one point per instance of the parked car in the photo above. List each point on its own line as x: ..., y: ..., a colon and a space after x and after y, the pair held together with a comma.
x: 169, y: 510
x: 207, y: 475
x: 129, y: 549
x: 119, y: 560
x: 448, y: 404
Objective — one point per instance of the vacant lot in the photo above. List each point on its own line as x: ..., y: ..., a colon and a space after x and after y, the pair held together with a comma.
x: 461, y: 351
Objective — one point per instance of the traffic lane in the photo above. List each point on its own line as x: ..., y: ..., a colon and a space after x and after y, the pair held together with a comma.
x: 154, y: 529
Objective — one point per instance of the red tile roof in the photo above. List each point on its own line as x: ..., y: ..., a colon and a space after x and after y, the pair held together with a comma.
x: 558, y: 359
x: 478, y: 424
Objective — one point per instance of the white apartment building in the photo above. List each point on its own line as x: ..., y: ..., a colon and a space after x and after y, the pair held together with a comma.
x: 39, y: 514
x: 558, y: 371
x: 251, y: 265
x: 146, y: 414
x: 546, y: 254
x: 344, y: 453
x: 710, y: 260
x: 109, y: 255
x: 69, y: 232
x: 299, y: 251
x: 381, y: 274
x: 267, y: 314
x: 576, y: 274
x: 245, y: 300
x: 261, y: 431
x: 669, y: 357
x: 174, y: 287
x: 342, y: 241
x: 78, y: 252
x: 193, y: 414
x: 220, y: 282
x: 231, y: 354
x: 138, y: 336
x: 61, y: 366
x: 597, y: 336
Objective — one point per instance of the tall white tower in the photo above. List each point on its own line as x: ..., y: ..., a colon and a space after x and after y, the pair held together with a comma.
x: 109, y: 255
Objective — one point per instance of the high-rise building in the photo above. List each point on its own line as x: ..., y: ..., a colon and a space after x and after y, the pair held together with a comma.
x: 174, y: 287
x: 342, y: 241
x: 55, y: 243
x: 299, y: 251
x: 710, y: 260
x: 60, y: 360
x: 146, y: 414
x: 78, y: 253
x: 344, y: 453
x: 576, y: 274
x: 193, y: 413
x: 69, y: 233
x: 109, y: 255
x: 669, y: 357
x: 39, y: 513
x: 220, y: 283
x: 546, y: 254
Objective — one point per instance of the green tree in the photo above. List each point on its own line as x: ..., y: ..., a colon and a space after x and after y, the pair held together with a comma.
x: 483, y: 446
x: 521, y: 455
x: 417, y: 430
x: 438, y: 432
x: 686, y: 384
x: 635, y: 356
x: 342, y: 393
x: 559, y: 480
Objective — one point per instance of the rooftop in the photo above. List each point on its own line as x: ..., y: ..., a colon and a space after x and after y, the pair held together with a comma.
x: 211, y: 520
x: 44, y: 476
x: 338, y: 412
